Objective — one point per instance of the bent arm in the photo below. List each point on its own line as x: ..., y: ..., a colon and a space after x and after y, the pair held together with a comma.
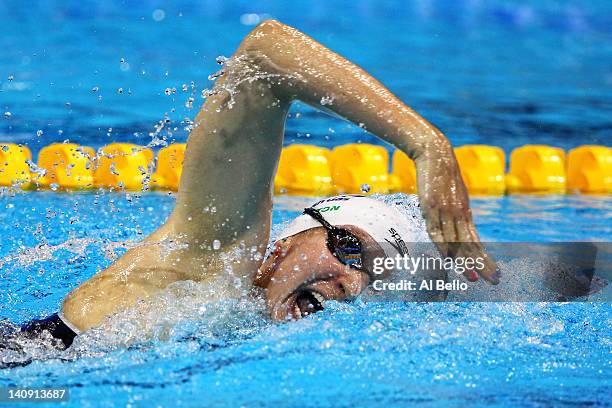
x: 275, y: 65
x: 327, y: 81
x: 225, y: 195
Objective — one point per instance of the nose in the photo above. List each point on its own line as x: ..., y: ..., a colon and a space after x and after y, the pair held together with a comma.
x: 354, y: 282
x: 351, y: 282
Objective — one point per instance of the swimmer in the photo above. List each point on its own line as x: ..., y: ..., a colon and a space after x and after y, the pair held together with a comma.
x: 224, y: 202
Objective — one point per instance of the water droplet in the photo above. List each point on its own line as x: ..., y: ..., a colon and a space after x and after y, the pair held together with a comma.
x: 10, y: 77
x: 158, y: 15
x: 216, y: 75
x: 206, y: 93
x: 365, y: 188
x: 189, y: 103
x: 216, y: 244
x: 54, y: 186
x: 7, y: 114
x: 327, y: 100
x: 39, y: 133
x: 250, y: 19
x: 95, y: 89
x: 5, y: 148
x: 120, y: 90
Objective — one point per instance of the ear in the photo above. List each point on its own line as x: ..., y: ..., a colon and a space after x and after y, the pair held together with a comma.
x: 266, y: 270
x: 263, y: 276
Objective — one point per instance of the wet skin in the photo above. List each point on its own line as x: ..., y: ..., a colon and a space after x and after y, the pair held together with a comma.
x: 301, y: 273
x: 232, y: 155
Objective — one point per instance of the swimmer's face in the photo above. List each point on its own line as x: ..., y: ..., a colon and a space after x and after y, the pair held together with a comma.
x: 302, y: 273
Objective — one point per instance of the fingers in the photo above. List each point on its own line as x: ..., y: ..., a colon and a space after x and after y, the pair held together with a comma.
x: 467, y: 238
x: 447, y: 225
x: 481, y: 262
x: 449, y: 231
x: 456, y: 236
x: 472, y: 247
x: 434, y: 229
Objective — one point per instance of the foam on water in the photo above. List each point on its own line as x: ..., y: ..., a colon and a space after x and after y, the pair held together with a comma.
x: 209, y: 313
x: 383, y: 353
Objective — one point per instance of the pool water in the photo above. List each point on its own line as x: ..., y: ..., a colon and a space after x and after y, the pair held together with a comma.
x: 495, y: 72
x: 227, y: 353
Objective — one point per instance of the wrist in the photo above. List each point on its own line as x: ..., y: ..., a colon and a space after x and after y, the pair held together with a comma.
x: 437, y: 150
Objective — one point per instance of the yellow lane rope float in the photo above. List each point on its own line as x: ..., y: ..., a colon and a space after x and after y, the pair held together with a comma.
x: 315, y: 171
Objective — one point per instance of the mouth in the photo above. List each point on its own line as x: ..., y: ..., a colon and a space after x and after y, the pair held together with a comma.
x: 306, y: 303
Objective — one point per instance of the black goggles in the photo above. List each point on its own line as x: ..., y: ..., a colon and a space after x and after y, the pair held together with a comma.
x: 343, y: 244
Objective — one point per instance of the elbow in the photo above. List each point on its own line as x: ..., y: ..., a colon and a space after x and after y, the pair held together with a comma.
x: 263, y: 36
x: 268, y: 27
x: 259, y: 49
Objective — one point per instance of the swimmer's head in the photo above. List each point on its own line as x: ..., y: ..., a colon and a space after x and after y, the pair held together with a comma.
x: 302, y: 272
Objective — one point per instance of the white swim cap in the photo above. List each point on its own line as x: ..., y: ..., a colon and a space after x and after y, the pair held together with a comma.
x: 383, y: 222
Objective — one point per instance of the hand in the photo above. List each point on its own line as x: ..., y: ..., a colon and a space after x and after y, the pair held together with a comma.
x: 446, y: 209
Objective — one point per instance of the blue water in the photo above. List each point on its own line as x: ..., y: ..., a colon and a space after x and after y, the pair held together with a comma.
x: 501, y: 73
x: 495, y: 72
x: 451, y: 354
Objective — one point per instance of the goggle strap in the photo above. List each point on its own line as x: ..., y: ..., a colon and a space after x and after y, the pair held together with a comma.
x: 316, y: 214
